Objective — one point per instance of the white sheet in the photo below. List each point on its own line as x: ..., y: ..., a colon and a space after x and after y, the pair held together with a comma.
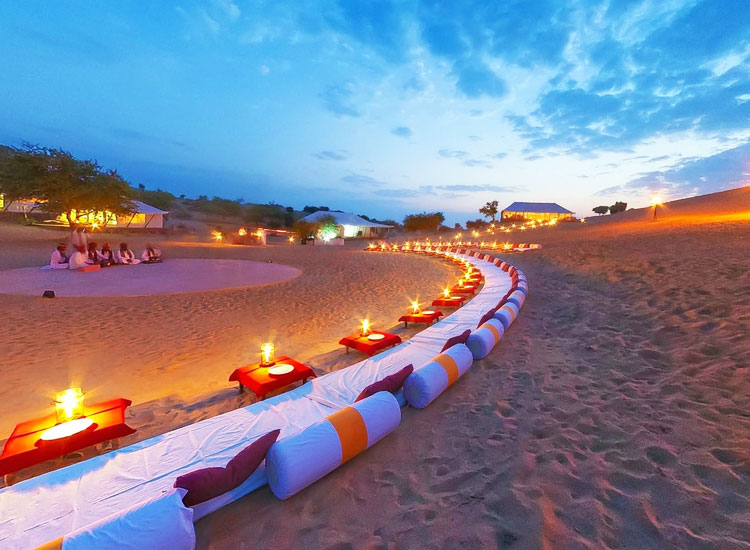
x: 37, y: 510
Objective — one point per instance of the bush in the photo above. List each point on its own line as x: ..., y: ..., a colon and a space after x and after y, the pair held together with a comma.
x: 424, y: 221
x: 618, y: 207
x: 600, y: 210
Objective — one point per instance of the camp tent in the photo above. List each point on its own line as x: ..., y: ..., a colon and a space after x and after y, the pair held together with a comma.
x: 537, y: 211
x: 351, y: 225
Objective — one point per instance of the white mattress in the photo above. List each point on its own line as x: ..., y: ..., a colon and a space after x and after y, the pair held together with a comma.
x: 37, y: 510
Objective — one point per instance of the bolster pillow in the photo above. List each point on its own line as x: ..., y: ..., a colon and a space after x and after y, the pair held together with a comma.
x: 486, y: 337
x: 517, y: 298
x: 161, y: 523
x: 507, y: 314
x: 300, y: 460
x: 426, y: 383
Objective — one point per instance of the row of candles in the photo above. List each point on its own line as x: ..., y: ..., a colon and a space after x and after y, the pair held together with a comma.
x: 69, y: 409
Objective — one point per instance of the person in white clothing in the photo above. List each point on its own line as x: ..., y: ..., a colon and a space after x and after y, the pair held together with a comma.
x: 59, y: 259
x: 151, y: 255
x: 125, y: 256
x: 79, y: 258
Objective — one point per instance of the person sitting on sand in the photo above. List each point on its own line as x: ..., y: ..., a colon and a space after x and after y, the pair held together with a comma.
x: 59, y: 259
x: 79, y: 258
x: 106, y: 256
x: 151, y: 255
x: 96, y: 257
x: 125, y: 256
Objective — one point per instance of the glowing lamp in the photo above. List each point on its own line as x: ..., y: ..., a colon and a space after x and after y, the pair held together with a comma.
x: 382, y: 246
x: 365, y: 327
x: 267, y: 354
x: 291, y: 239
x: 655, y: 201
x: 259, y: 233
x: 467, y: 275
x: 446, y: 292
x: 217, y: 236
x: 414, y: 306
x: 94, y: 225
x: 69, y: 405
x: 460, y: 283
x: 242, y: 232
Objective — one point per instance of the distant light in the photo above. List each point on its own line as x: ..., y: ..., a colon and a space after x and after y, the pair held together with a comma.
x: 656, y: 200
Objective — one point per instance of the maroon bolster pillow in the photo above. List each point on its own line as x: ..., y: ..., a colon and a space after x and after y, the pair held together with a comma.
x: 453, y: 340
x: 486, y: 317
x: 207, y: 483
x: 391, y: 383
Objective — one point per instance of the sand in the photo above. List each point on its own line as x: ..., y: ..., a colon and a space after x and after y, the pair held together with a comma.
x: 614, y: 414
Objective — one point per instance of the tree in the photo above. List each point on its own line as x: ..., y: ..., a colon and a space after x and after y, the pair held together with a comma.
x: 160, y: 199
x: 21, y: 172
x: 618, y: 207
x: 304, y: 229
x: 489, y: 210
x: 424, y: 221
x: 600, y: 210
x: 327, y: 227
x: 478, y: 224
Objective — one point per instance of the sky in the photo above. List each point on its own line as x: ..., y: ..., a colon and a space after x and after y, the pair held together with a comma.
x: 389, y: 108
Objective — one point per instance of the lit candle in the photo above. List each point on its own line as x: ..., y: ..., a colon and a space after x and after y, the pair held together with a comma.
x: 69, y: 405
x: 291, y: 239
x: 242, y: 232
x: 446, y: 292
x: 267, y: 354
x: 415, y: 306
x: 365, y: 327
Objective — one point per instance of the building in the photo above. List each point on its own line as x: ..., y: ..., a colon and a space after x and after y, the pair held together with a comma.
x: 351, y: 225
x: 145, y: 216
x: 537, y: 211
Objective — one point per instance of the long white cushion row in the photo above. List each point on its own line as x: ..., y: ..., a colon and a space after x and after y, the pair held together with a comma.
x: 49, y: 506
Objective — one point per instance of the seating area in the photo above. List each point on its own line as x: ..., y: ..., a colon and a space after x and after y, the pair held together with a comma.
x: 303, y: 434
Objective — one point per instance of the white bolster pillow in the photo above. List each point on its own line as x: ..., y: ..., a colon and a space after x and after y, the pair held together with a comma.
x: 162, y: 523
x: 300, y: 460
x: 426, y: 383
x: 486, y: 337
x: 506, y: 314
x: 517, y: 298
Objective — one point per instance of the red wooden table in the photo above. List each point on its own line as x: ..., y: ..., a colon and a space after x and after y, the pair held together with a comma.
x: 466, y: 289
x: 24, y: 448
x: 258, y: 379
x: 363, y: 344
x: 422, y: 317
x: 453, y: 301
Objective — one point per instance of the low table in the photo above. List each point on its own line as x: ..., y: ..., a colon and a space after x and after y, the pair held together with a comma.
x: 453, y: 301
x: 466, y: 289
x: 258, y: 379
x: 422, y: 317
x: 365, y: 345
x: 25, y: 448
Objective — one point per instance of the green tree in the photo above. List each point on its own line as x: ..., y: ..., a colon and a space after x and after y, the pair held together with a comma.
x: 489, y: 210
x: 424, y: 221
x: 304, y: 229
x: 21, y: 172
x: 327, y: 227
x: 600, y: 210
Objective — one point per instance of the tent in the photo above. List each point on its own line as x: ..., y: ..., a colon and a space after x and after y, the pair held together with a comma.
x: 537, y: 211
x: 351, y: 225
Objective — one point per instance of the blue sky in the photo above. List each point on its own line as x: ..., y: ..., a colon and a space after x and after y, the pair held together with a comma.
x: 388, y: 108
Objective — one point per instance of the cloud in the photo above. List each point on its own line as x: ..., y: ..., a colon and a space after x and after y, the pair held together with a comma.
x: 229, y: 9
x: 402, y: 131
x: 479, y: 188
x: 500, y: 156
x: 452, y: 154
x: 475, y: 138
x: 331, y: 155
x: 475, y: 79
x: 360, y: 179
x: 725, y: 170
x: 533, y: 157
x: 265, y: 69
x: 337, y: 99
x: 473, y: 163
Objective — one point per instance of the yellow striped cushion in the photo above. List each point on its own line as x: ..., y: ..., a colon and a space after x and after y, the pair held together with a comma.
x: 352, y: 432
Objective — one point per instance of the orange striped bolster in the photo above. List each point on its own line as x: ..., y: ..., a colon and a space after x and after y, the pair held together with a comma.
x: 52, y: 545
x: 450, y: 366
x: 352, y: 432
x: 494, y: 331
x: 509, y: 310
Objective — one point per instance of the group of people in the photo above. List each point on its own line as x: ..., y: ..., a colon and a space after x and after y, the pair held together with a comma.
x: 91, y: 254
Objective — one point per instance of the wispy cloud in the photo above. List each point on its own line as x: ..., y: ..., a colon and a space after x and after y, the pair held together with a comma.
x: 331, y: 155
x: 477, y: 163
x: 402, y: 131
x: 355, y: 178
x: 452, y: 154
x: 339, y: 100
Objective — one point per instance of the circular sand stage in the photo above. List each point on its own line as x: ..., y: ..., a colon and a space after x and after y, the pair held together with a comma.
x: 171, y: 277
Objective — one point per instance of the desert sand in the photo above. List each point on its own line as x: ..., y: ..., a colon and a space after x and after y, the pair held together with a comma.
x: 614, y: 414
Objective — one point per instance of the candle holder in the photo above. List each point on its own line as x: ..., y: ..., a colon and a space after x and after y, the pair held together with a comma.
x: 267, y: 354
x: 68, y: 405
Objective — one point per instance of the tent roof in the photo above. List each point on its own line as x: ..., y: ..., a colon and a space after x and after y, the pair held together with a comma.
x: 537, y: 208
x: 343, y: 218
x: 143, y: 208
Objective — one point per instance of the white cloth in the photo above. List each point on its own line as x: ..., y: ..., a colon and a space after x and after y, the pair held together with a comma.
x: 126, y: 257
x: 157, y: 254
x: 78, y: 259
x: 57, y: 261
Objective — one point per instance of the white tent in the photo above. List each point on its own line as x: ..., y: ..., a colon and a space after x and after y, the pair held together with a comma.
x: 351, y: 225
